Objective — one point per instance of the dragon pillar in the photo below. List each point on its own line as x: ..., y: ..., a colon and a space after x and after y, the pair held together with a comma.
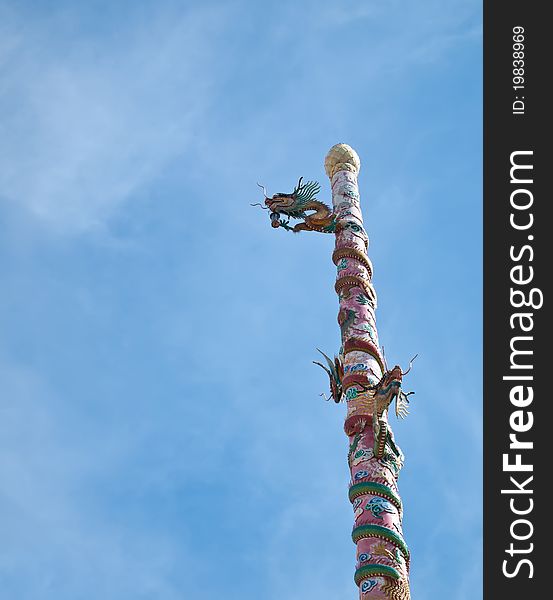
x: 359, y: 376
x: 368, y: 388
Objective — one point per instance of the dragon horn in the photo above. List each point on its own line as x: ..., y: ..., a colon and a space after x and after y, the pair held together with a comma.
x: 298, y: 187
x: 321, y: 365
x: 329, y: 362
x: 410, y: 364
x: 384, y: 357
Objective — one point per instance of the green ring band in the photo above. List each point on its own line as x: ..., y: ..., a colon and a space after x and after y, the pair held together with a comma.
x: 377, y: 531
x: 374, y: 570
x: 376, y: 489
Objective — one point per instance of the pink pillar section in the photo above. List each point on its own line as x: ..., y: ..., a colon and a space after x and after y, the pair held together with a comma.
x: 382, y: 569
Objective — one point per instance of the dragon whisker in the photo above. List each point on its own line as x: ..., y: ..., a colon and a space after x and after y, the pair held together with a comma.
x: 264, y: 190
x: 410, y: 364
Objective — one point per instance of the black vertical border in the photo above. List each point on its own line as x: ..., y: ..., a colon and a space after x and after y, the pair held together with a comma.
x: 504, y: 133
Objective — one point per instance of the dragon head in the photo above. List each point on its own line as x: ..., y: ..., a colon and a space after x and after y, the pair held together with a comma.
x: 292, y: 205
x: 392, y: 377
x: 389, y: 389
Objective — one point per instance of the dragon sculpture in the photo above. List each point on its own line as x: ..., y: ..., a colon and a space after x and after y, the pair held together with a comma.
x: 385, y: 392
x: 382, y: 394
x: 296, y: 206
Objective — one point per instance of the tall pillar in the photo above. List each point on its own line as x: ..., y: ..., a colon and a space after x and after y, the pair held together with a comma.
x: 359, y: 376
x: 368, y: 388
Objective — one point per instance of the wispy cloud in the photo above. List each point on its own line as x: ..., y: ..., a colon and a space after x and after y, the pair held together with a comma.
x: 55, y: 539
x: 159, y: 399
x: 89, y: 120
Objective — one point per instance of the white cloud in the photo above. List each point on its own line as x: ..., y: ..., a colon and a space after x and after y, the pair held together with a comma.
x: 88, y: 121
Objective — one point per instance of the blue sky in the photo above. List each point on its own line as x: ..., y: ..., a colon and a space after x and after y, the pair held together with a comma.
x: 160, y: 413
